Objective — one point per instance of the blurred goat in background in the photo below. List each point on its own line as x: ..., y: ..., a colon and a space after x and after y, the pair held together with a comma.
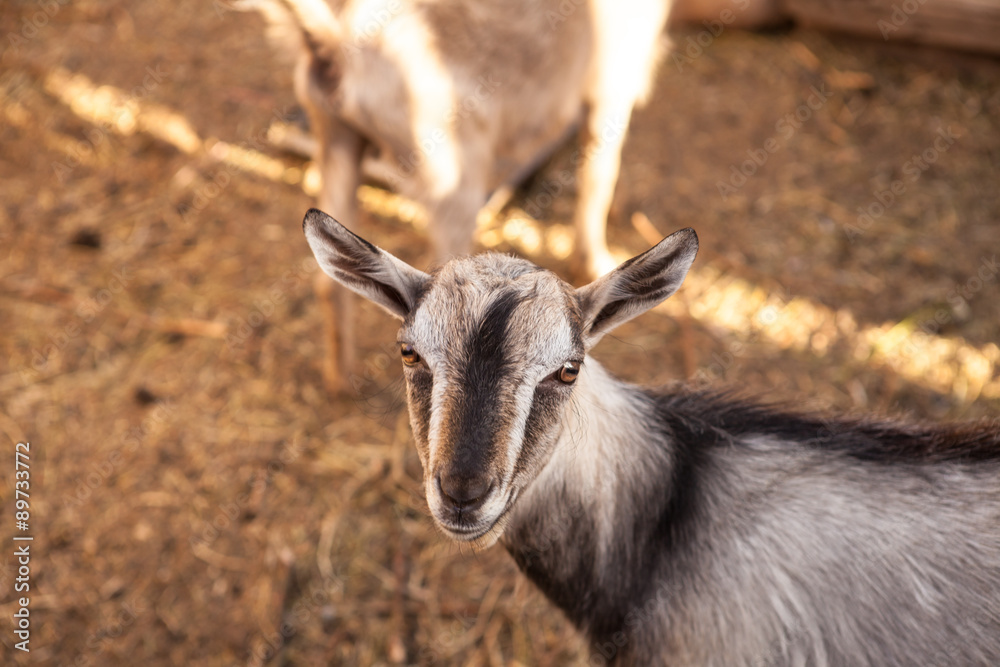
x: 453, y: 101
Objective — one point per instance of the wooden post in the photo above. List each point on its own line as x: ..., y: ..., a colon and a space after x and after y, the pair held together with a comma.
x: 971, y: 25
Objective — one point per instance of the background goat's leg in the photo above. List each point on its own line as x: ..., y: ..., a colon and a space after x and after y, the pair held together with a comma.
x: 627, y: 49
x: 602, y: 135
x: 339, y: 157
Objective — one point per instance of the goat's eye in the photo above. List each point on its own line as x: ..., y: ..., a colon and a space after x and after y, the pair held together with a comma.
x: 410, y: 356
x: 569, y: 372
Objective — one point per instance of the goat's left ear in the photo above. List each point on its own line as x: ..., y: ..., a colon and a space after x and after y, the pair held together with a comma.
x: 361, y: 267
x: 636, y: 286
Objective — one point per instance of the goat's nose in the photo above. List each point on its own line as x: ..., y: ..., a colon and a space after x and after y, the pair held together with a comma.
x: 462, y: 491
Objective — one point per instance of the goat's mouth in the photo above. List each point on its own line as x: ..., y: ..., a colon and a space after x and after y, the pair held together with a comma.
x: 483, y: 531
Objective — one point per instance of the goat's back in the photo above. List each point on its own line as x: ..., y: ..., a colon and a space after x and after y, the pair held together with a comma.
x: 829, y: 542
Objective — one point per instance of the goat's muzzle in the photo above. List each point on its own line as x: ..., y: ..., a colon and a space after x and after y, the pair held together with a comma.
x: 464, y: 493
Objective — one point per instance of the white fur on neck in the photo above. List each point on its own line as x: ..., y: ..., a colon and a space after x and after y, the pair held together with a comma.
x: 595, y: 459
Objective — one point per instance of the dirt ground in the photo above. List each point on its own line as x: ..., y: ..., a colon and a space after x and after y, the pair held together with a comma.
x: 198, y: 499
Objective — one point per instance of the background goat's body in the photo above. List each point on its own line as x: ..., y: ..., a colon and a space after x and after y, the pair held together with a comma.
x: 458, y: 99
x: 705, y: 531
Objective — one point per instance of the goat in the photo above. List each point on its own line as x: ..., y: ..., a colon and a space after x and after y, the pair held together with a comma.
x: 461, y: 99
x: 680, y: 527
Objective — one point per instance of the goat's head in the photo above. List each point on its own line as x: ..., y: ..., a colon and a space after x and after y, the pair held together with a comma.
x: 491, y: 347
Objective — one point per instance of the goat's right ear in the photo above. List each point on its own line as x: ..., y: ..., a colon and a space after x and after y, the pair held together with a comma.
x: 361, y: 267
x: 636, y: 286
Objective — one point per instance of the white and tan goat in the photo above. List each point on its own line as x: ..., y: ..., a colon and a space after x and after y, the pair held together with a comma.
x: 454, y: 100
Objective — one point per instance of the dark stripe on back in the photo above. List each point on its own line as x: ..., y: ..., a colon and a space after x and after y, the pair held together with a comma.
x: 717, y: 414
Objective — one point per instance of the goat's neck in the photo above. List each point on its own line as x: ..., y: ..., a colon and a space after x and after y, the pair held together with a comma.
x: 585, y: 521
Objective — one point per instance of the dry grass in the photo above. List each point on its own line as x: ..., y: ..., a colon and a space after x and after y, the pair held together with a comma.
x: 197, y: 499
